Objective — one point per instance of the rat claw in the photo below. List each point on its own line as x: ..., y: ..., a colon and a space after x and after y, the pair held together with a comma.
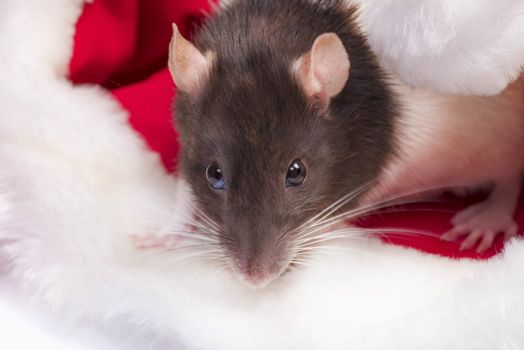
x: 486, y: 242
x: 470, y: 241
x: 454, y: 233
x: 484, y: 220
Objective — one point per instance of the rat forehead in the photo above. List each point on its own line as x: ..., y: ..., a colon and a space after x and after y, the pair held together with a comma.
x: 271, y: 139
x: 259, y: 78
x: 257, y: 100
x: 258, y: 119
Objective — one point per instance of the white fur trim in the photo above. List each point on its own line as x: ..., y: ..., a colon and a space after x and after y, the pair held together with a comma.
x: 80, y: 181
x: 471, y: 47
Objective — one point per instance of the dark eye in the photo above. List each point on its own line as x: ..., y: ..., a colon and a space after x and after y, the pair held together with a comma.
x: 215, y: 178
x: 296, y: 173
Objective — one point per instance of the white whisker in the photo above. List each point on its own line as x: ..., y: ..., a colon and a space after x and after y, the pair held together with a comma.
x: 336, y: 205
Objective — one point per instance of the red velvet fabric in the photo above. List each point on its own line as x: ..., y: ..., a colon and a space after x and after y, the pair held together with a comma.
x: 122, y: 45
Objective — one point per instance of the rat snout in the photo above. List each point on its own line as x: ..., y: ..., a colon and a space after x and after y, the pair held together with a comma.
x: 257, y: 272
x: 259, y: 261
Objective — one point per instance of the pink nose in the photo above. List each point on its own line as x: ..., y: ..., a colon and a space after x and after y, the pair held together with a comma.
x: 258, y: 280
x: 256, y: 276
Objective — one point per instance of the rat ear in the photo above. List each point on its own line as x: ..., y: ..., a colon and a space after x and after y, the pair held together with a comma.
x: 188, y: 66
x: 324, y: 70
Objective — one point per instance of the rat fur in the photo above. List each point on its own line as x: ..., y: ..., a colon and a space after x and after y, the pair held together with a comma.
x: 258, y: 89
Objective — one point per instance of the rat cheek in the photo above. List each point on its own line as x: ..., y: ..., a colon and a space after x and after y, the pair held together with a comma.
x: 207, y: 209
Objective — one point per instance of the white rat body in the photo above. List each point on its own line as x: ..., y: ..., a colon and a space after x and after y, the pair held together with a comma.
x: 447, y: 141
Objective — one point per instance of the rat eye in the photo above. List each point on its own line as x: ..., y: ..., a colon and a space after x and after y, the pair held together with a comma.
x: 296, y: 173
x: 214, y: 177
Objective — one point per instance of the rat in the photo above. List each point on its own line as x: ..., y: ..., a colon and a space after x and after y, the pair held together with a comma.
x: 287, y: 122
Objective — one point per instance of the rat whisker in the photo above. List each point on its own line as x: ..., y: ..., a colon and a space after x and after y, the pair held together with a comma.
x: 166, y: 227
x: 402, y: 231
x: 196, y: 209
x: 404, y: 234
x: 399, y: 209
x: 202, y: 231
x: 356, y: 212
x: 192, y: 235
x: 296, y: 262
x: 189, y: 259
x: 341, y: 232
x: 156, y: 211
x: 344, y: 229
x: 193, y: 248
x: 206, y: 218
x: 325, y: 219
x: 323, y: 215
x: 285, y: 233
x: 362, y: 232
x: 331, y: 238
x: 336, y: 205
x: 180, y: 253
x: 310, y: 231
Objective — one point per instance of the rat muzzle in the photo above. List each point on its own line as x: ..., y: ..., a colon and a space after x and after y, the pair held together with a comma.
x: 259, y: 258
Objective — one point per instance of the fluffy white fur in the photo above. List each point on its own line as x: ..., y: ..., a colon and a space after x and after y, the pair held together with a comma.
x: 76, y: 181
x: 467, y: 47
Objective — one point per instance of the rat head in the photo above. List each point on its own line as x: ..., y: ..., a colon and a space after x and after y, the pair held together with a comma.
x: 268, y: 143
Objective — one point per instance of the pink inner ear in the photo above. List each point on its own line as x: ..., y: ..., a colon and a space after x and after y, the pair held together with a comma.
x: 324, y: 71
x: 330, y: 64
x: 188, y: 66
x: 306, y: 77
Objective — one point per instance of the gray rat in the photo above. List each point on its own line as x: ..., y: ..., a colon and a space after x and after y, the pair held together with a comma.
x: 287, y: 122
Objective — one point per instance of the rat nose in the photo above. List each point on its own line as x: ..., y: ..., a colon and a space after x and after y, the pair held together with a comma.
x: 257, y: 256
x: 257, y: 272
x: 256, y: 279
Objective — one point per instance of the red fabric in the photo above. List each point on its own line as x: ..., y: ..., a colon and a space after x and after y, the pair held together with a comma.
x: 122, y: 45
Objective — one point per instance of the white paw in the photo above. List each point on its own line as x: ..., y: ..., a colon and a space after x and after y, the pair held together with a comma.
x: 151, y: 241
x: 481, y: 223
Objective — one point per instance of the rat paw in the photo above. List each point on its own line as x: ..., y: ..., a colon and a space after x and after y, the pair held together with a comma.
x: 150, y: 241
x: 162, y: 239
x: 482, y: 222
x: 475, y: 233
